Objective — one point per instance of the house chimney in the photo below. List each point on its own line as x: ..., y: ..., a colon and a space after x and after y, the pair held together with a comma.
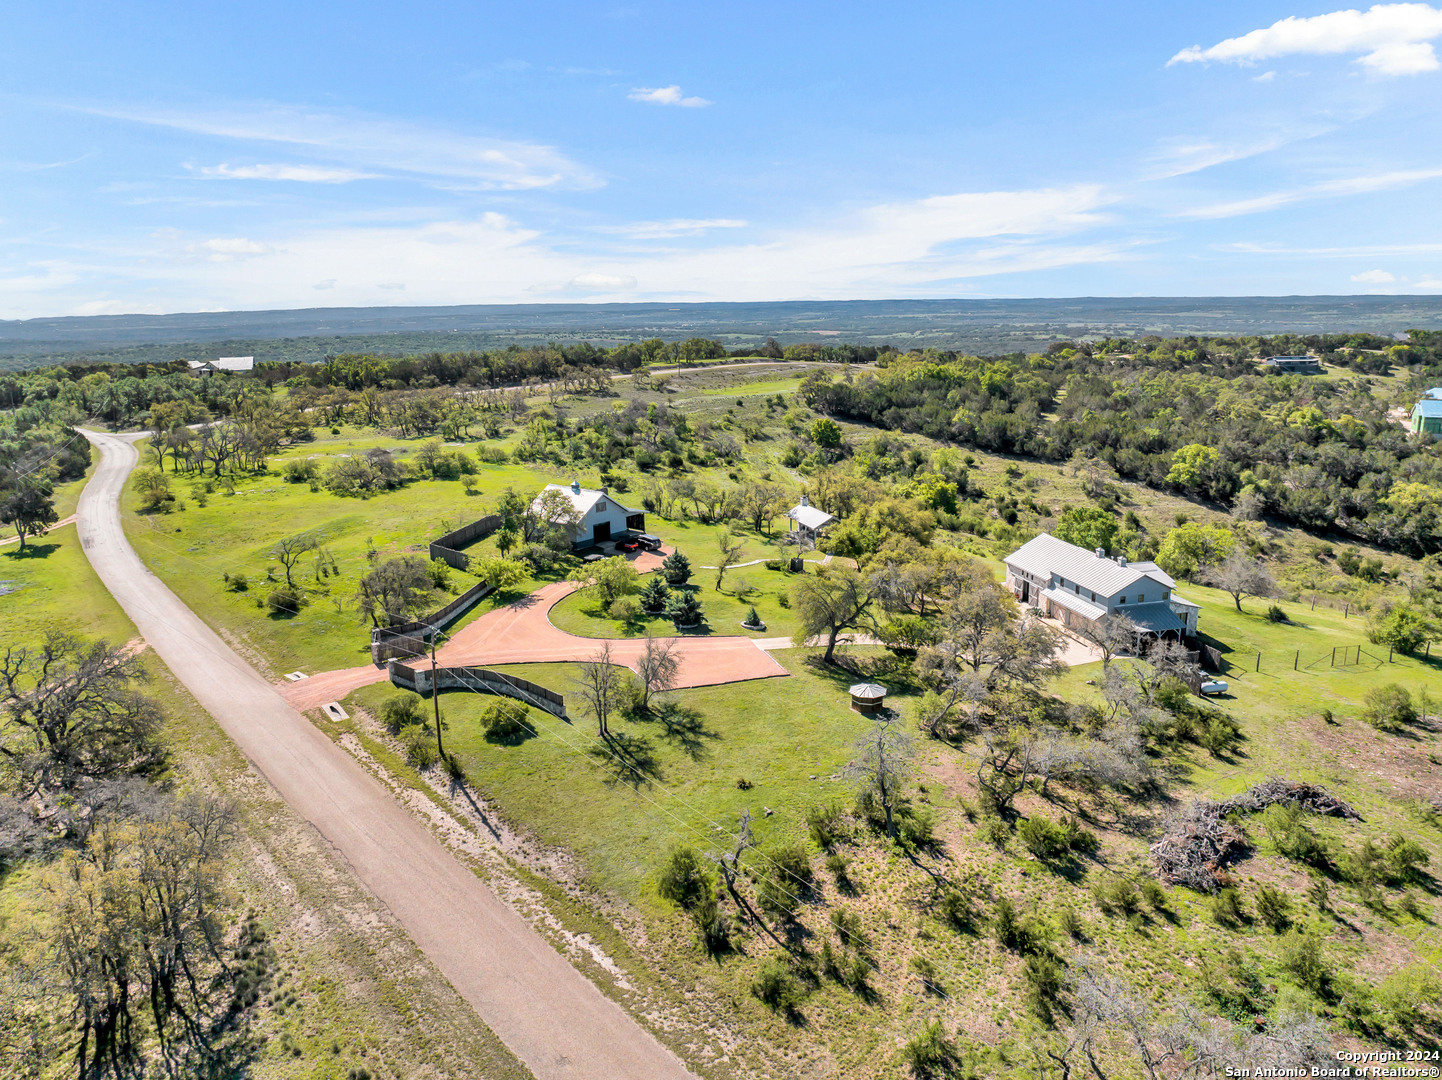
x: 1121, y: 560
x: 576, y: 486
x: 1101, y: 553
x: 805, y: 501
x: 605, y: 490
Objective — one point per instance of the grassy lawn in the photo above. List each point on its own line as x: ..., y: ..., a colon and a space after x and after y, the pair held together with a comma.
x: 55, y: 588
x: 192, y: 548
x: 571, y: 790
x: 583, y: 612
x: 761, y: 386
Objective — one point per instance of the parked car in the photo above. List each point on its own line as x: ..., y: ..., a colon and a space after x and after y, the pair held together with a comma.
x: 1214, y: 686
x: 649, y: 542
x: 628, y: 544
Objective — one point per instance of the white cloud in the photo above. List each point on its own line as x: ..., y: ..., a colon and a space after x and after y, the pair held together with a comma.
x: 1352, y: 185
x: 666, y: 95
x: 1394, y: 39
x: 924, y: 247
x: 666, y: 230
x: 229, y: 249
x: 1428, y: 283
x: 1374, y: 277
x: 1178, y: 157
x: 305, y: 174
x: 1266, y: 76
x: 370, y: 144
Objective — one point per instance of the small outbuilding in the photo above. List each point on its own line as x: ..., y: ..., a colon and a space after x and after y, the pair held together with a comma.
x: 868, y: 697
x: 1294, y: 365
x: 1426, y: 418
x: 811, y: 521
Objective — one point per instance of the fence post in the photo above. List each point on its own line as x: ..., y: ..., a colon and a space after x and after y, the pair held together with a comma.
x: 1297, y: 659
x: 1389, y: 653
x: 1259, y: 660
x: 1346, y: 611
x: 1314, y: 601
x: 1334, y: 656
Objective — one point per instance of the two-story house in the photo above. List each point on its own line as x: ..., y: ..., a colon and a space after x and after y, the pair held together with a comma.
x: 1078, y: 587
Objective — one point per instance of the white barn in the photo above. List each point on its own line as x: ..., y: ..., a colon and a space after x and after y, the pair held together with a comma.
x: 602, y: 518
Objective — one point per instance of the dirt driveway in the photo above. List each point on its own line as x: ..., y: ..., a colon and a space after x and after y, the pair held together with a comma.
x: 522, y: 633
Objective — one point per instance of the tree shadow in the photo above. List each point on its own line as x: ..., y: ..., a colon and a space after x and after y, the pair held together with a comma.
x: 32, y: 550
x: 627, y: 759
x: 685, y: 726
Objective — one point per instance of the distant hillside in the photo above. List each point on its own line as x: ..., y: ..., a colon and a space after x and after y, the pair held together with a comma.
x: 981, y: 326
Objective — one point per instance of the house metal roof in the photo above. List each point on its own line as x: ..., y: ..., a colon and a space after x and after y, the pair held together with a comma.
x: 584, y: 499
x: 1072, y: 602
x: 1157, y: 618
x: 1435, y: 392
x: 1152, y: 570
x: 235, y: 363
x: 1045, y: 555
x: 1428, y: 407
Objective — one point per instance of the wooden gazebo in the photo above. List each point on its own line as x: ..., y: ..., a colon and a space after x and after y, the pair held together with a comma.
x: 868, y: 697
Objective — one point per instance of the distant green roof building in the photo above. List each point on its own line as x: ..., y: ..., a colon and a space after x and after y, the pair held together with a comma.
x: 1427, y: 413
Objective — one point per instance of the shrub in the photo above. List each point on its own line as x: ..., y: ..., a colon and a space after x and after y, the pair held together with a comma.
x: 1115, y: 895
x: 792, y: 863
x: 624, y: 609
x: 1389, y: 707
x: 1043, y: 837
x: 400, y: 711
x: 837, y: 866
x: 953, y: 907
x: 237, y: 582
x: 684, y: 610
x: 490, y: 455
x: 927, y: 971
x: 713, y: 925
x: 774, y: 985
x: 753, y: 619
x: 778, y: 895
x: 1154, y: 894
x: 454, y: 769
x: 684, y: 880
x: 1274, y: 908
x: 1302, y: 959
x: 1010, y: 930
x: 284, y: 600
x: 420, y: 750
x: 1071, y: 923
x: 743, y: 784
x: 916, y: 827
x: 505, y: 720
x: 1079, y: 838
x: 440, y: 573
x: 1276, y: 614
x: 1226, y: 908
x: 825, y: 824
x: 995, y: 832
x: 1291, y: 836
x: 930, y: 1052
x: 300, y: 471
x: 1043, y: 984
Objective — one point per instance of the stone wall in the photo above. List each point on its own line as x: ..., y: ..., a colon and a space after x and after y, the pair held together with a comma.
x: 417, y: 677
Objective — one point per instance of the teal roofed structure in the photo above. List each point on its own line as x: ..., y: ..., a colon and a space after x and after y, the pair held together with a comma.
x: 1427, y: 413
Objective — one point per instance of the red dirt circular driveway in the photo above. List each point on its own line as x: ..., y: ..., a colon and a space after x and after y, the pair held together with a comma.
x: 522, y: 633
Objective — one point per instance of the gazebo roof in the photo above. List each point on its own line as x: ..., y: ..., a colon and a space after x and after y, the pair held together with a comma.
x: 868, y: 690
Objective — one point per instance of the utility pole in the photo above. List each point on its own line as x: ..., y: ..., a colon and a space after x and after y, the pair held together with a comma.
x: 436, y: 698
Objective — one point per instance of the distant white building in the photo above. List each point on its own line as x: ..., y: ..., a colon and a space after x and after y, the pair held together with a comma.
x: 602, y: 518
x: 1078, y: 587
x: 223, y: 363
x: 811, y: 521
x: 1296, y: 365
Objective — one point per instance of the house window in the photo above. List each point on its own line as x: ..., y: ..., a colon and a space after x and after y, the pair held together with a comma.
x: 1141, y: 597
x: 1094, y: 598
x: 600, y: 504
x: 1124, y: 600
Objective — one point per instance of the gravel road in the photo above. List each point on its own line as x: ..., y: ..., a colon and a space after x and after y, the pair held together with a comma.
x: 541, y: 1007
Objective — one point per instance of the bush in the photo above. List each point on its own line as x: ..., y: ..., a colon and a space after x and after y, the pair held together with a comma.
x: 684, y: 880
x: 837, y: 866
x: 1291, y: 837
x: 623, y: 609
x: 826, y: 824
x: 1043, y: 985
x: 995, y: 832
x: 1071, y: 923
x: 300, y: 471
x: 654, y: 595
x: 1043, y: 837
x: 284, y: 600
x: 400, y: 711
x: 1154, y: 894
x: 953, y: 907
x: 916, y: 827
x: 1010, y: 930
x: 440, y: 574
x: 684, y: 610
x: 1389, y: 708
x: 1117, y: 895
x: 775, y: 986
x: 237, y: 582
x: 713, y: 925
x: 503, y: 721
x: 420, y: 750
x: 1276, y: 614
x: 1302, y: 959
x: 1226, y: 908
x: 490, y: 455
x: 792, y: 863
x: 927, y: 971
x: 930, y: 1052
x: 1274, y: 908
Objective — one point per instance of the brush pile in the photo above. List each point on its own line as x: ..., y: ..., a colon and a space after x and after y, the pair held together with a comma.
x: 1201, y: 841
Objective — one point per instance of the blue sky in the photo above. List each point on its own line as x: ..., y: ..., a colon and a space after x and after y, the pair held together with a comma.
x: 180, y: 157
